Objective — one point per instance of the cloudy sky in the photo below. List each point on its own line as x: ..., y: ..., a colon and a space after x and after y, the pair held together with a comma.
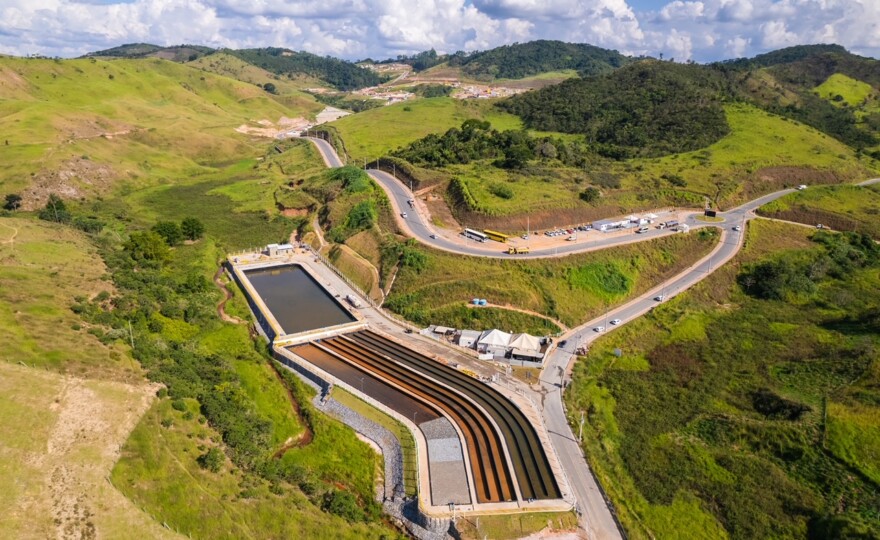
x: 701, y: 30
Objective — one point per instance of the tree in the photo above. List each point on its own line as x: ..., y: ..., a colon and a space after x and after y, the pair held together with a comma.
x: 13, y: 202
x: 269, y: 87
x: 192, y: 228
x: 147, y: 246
x: 211, y: 460
x: 55, y: 210
x: 170, y: 231
x: 590, y: 194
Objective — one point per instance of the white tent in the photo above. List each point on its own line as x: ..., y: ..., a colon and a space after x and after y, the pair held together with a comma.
x: 525, y: 342
x: 494, y: 341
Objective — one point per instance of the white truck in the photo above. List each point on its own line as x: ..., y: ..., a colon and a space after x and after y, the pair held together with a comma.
x: 352, y: 299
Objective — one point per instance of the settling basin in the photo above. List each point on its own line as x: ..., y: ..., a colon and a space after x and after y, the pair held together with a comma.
x: 296, y: 300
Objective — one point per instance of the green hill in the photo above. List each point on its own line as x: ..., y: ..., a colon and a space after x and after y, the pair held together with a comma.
x: 85, y: 127
x: 522, y: 60
x: 646, y: 109
x: 790, y: 82
x: 177, y: 53
x: 337, y: 73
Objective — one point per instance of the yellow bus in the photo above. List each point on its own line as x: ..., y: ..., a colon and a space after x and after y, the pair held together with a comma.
x: 497, y: 236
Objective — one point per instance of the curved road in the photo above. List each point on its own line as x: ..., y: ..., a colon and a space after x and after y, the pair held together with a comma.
x: 596, y: 517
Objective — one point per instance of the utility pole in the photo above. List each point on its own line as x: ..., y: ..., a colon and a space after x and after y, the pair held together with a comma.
x: 581, y: 428
x: 130, y: 335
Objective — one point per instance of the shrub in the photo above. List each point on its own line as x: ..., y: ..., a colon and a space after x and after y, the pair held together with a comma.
x: 501, y: 190
x: 211, y: 460
x: 590, y: 194
x: 13, y: 202
x: 55, y: 210
x: 192, y: 228
x: 170, y: 231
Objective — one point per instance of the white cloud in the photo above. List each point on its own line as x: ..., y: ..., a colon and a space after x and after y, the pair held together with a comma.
x: 685, y: 29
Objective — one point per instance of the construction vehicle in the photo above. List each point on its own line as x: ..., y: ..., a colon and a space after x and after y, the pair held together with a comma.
x: 517, y: 250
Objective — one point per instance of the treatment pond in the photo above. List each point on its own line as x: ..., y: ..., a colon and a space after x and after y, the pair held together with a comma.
x: 296, y: 300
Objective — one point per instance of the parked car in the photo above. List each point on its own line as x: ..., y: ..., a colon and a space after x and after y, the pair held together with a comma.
x: 615, y: 321
x: 562, y: 343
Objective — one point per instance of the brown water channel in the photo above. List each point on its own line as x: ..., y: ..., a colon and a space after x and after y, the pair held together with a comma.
x: 366, y: 383
x: 296, y: 300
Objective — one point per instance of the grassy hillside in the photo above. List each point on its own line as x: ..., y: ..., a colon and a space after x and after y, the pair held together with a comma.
x: 844, y: 90
x: 842, y: 208
x: 340, y: 74
x: 739, y: 415
x: 44, y: 269
x: 522, y: 60
x: 571, y: 289
x: 376, y: 132
x: 86, y: 127
x: 288, y: 90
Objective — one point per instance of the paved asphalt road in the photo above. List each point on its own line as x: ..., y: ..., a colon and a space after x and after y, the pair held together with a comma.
x: 596, y: 517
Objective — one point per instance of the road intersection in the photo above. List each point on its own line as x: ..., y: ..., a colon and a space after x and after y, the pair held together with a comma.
x: 593, y: 508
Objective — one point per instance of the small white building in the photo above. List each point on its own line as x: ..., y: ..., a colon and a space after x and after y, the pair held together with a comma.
x: 467, y: 338
x: 274, y: 250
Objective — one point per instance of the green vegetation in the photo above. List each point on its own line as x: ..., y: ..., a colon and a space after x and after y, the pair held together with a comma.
x: 645, y: 109
x: 713, y: 422
x: 45, y: 269
x: 377, y: 132
x: 160, y: 471
x: 522, y: 60
x: 511, y: 526
x: 154, y: 122
x: 571, y: 289
x: 400, y: 431
x: 337, y: 73
x: 841, y: 208
x: 844, y: 91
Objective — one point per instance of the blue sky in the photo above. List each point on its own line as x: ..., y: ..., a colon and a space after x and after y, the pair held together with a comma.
x: 700, y: 30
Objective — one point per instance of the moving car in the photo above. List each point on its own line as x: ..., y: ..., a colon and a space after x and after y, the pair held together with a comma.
x: 660, y: 297
x: 615, y: 321
x: 737, y: 228
x: 403, y: 215
x: 599, y: 329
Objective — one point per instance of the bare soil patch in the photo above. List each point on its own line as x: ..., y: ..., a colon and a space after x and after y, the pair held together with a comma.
x: 62, y: 437
x: 74, y: 178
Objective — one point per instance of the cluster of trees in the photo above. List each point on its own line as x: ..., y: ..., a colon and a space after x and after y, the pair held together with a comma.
x: 432, y: 90
x: 644, y: 109
x: 338, y: 73
x: 350, y: 103
x: 521, y: 60
x: 476, y: 140
x: 791, y: 278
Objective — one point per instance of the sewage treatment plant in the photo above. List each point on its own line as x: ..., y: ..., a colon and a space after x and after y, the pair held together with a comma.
x: 479, y: 450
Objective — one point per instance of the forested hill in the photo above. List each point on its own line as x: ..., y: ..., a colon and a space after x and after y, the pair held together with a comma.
x: 649, y: 108
x: 824, y: 86
x: 338, y: 73
x: 522, y: 60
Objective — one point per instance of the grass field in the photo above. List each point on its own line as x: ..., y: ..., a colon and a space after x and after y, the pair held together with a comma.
x: 511, y: 526
x: 43, y: 268
x: 852, y: 92
x: 684, y: 431
x: 88, y: 127
x: 159, y: 472
x: 403, y: 434
x: 571, y: 289
x: 842, y: 208
x: 373, y: 133
x: 288, y: 90
x: 59, y: 438
x: 761, y: 154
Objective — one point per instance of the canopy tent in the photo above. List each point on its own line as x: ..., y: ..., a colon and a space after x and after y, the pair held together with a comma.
x: 525, y: 342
